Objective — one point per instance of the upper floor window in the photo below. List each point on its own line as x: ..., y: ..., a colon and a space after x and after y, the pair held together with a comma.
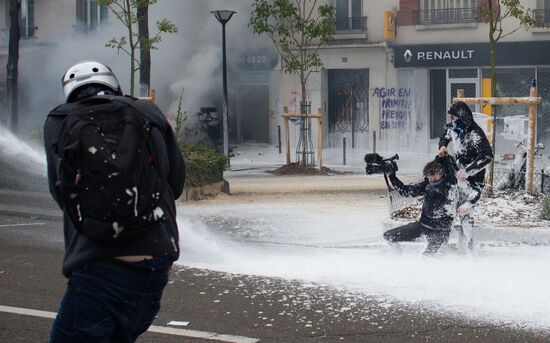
x: 446, y: 4
x: 349, y: 14
x: 446, y: 12
x: 27, y: 19
x: 90, y: 15
x: 542, y: 13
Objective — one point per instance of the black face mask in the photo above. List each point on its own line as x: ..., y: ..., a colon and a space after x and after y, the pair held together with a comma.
x: 459, y: 127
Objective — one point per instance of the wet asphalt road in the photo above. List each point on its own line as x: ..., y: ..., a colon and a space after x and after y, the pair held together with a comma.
x: 271, y: 310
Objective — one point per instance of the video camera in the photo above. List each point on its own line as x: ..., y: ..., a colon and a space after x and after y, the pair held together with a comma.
x: 376, y: 164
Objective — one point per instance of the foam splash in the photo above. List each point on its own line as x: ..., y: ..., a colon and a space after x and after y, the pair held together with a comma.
x: 19, y: 151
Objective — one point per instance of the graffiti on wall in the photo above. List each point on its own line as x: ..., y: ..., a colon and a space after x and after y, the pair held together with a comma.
x: 395, y: 106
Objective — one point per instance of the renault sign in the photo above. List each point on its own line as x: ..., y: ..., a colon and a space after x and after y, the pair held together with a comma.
x: 471, y: 54
x: 407, y: 55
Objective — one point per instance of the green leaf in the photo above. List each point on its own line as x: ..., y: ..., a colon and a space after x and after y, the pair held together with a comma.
x: 166, y: 26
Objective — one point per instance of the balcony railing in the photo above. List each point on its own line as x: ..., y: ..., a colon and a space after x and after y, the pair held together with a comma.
x: 446, y: 16
x: 542, y: 17
x: 350, y: 25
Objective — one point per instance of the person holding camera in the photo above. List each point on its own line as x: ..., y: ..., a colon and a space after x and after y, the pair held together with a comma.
x: 473, y: 153
x: 439, y: 191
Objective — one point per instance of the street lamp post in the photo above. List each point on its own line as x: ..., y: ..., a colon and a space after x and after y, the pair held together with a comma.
x: 223, y: 17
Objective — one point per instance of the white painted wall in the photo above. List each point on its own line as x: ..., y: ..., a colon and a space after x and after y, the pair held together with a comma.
x: 54, y: 19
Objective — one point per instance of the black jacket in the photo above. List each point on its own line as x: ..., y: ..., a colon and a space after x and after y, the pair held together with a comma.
x: 438, y: 208
x: 473, y: 152
x: 159, y: 242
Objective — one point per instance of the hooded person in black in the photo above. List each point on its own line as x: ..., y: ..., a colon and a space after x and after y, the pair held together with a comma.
x: 439, y: 191
x: 114, y: 290
x: 473, y: 153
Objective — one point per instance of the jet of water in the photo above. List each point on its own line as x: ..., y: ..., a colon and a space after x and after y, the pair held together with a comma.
x: 17, y: 152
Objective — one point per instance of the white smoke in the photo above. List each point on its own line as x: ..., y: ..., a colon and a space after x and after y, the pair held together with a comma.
x: 189, y: 59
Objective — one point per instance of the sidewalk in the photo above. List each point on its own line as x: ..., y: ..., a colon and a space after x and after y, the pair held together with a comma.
x: 253, y: 157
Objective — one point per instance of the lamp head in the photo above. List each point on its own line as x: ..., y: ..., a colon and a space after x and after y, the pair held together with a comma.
x: 223, y: 16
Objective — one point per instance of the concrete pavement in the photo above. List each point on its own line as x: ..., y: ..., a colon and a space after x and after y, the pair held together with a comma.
x: 245, y: 306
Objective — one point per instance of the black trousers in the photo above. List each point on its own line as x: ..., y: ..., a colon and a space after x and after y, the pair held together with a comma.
x: 410, y: 232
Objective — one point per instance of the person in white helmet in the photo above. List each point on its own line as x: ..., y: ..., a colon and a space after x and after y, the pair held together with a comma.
x: 118, y: 251
x: 88, y: 78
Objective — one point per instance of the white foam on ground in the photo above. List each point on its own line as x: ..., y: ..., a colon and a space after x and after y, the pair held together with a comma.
x: 340, y: 245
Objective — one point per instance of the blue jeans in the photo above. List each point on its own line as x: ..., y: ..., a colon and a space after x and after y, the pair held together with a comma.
x: 104, y: 304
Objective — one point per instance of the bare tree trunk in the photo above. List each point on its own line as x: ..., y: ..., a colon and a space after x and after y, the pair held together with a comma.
x: 145, y: 49
x: 132, y: 47
x: 12, y: 65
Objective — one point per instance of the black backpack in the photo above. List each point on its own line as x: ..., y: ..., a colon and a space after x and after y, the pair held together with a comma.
x: 108, y: 175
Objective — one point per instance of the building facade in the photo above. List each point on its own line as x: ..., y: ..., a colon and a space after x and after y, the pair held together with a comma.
x: 388, y: 76
x: 394, y: 66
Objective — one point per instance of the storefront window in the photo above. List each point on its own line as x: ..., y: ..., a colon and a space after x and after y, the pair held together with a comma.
x: 511, y: 82
x: 543, y: 123
x: 438, y: 102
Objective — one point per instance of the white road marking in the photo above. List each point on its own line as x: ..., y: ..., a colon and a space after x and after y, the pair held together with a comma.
x: 27, y: 312
x: 153, y: 328
x: 23, y: 224
x: 201, y: 334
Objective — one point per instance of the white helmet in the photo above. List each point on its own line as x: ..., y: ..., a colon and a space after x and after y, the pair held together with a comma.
x: 88, y: 72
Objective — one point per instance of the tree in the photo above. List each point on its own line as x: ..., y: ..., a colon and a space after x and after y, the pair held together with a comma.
x: 126, y: 13
x: 298, y: 28
x: 495, y: 12
x: 144, y: 53
x: 13, y: 62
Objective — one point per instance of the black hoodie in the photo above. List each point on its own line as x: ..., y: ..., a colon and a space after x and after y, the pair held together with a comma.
x: 474, y: 152
x: 160, y: 242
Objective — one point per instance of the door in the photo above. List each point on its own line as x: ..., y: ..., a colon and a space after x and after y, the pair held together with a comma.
x: 470, y: 89
x: 438, y: 102
x: 348, y: 102
x: 466, y: 79
x: 254, y: 113
x: 443, y: 88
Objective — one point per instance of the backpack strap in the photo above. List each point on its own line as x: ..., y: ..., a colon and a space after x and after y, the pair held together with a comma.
x: 67, y: 108
x: 64, y: 109
x: 133, y: 103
